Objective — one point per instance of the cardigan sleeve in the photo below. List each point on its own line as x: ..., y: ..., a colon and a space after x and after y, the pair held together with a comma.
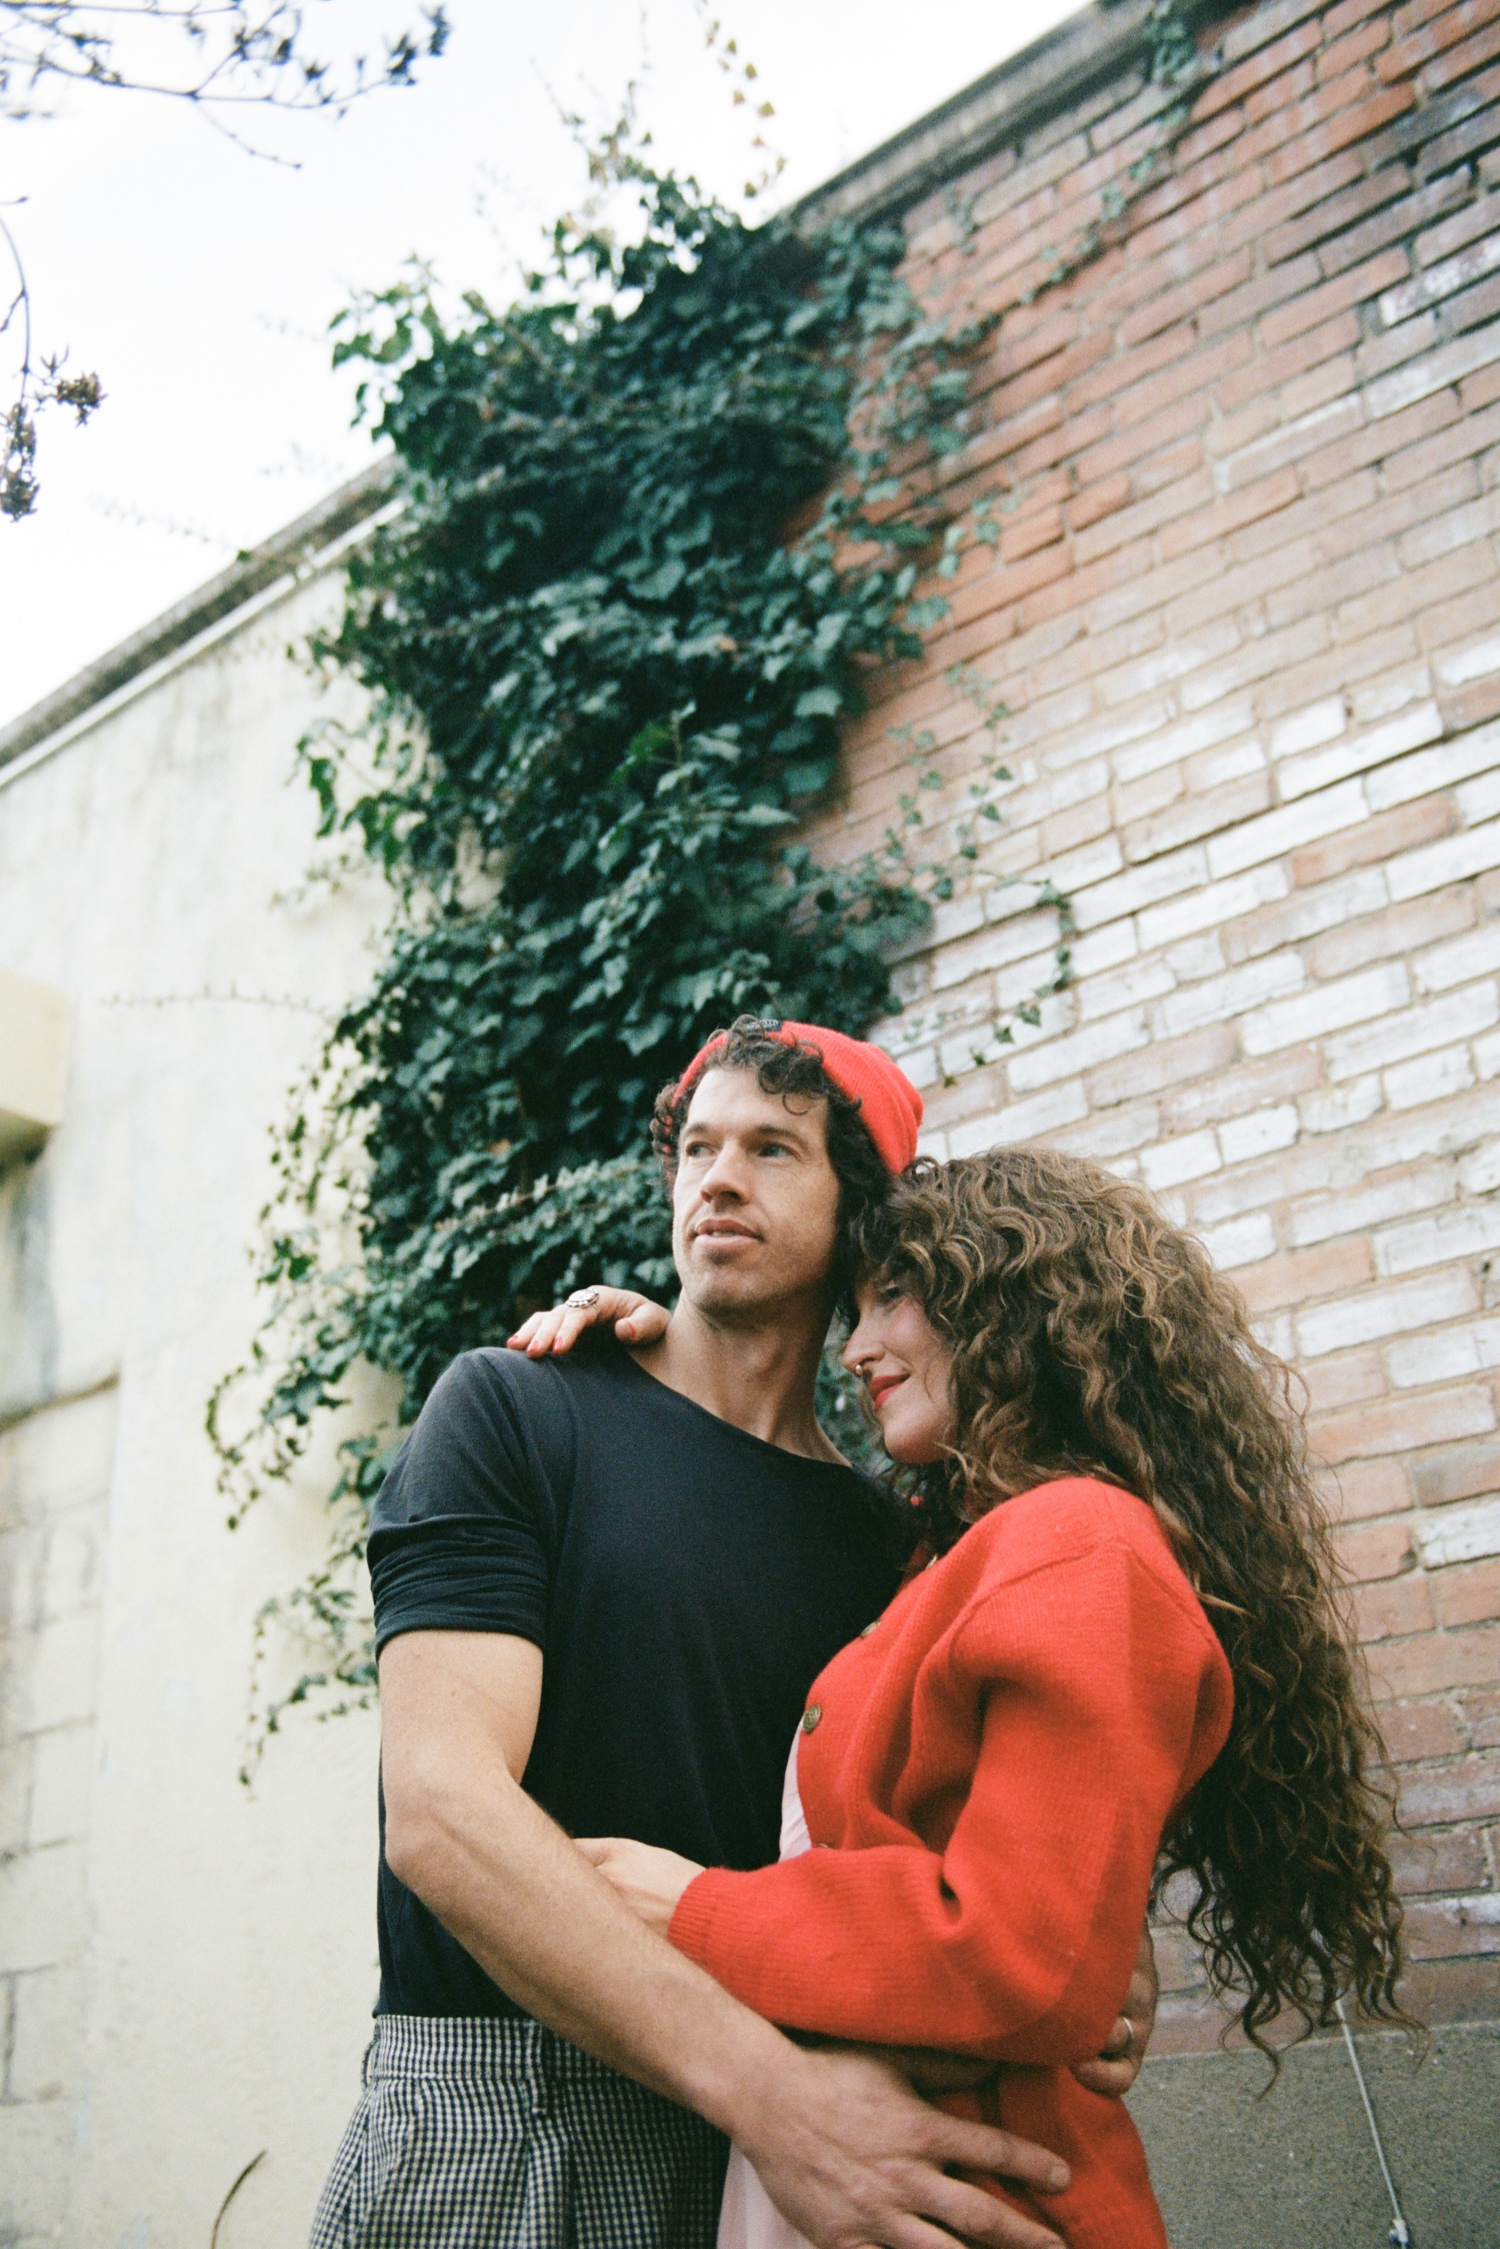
x: 1098, y: 1699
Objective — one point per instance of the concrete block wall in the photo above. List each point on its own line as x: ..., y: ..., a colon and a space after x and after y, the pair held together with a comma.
x: 54, y: 1482
x: 1244, y: 618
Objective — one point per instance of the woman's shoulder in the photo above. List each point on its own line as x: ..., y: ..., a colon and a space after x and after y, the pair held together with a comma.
x: 1073, y: 1519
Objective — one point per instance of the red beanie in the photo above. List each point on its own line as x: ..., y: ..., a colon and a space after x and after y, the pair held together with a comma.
x: 890, y: 1107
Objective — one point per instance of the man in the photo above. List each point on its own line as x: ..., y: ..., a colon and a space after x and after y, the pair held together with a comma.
x: 602, y: 1587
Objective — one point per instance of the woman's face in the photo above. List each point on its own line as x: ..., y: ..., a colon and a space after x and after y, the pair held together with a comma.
x: 906, y: 1368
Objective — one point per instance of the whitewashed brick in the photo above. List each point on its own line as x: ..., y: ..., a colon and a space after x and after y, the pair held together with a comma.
x: 62, y: 1779
x: 1452, y: 859
x: 1434, y: 370
x: 1479, y: 1173
x: 47, y: 2048
x: 43, y: 1916
x: 1275, y: 1332
x: 38, y: 2154
x: 74, y: 1564
x: 988, y: 949
x: 1429, y: 1077
x: 1171, y: 744
x: 1334, y: 1108
x: 1462, y: 1230
x: 1242, y: 1241
x: 953, y: 918
x: 1127, y: 986
x: 1369, y: 1202
x: 1270, y: 834
x: 1443, y: 1357
x: 1102, y: 949
x: 1455, y: 667
x: 61, y: 1666
x: 1110, y: 1135
x: 1081, y: 1050
x: 1325, y: 1008
x: 1213, y: 904
x: 1457, y: 1534
x: 1309, y: 728
x: 1462, y: 1015
x: 60, y: 1457
x: 1091, y: 864
x: 1388, y: 692
x: 1487, y: 1056
x: 1360, y: 753
x: 1374, y: 1314
x: 1260, y: 1132
x: 1426, y: 770
x: 1167, y: 877
x: 1193, y: 958
x: 1231, y: 994
x: 1019, y: 1120
x: 1479, y: 799
x: 1191, y: 1156
x: 1476, y: 953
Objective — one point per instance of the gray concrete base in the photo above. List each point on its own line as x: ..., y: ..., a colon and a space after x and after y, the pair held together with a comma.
x: 1297, y: 2170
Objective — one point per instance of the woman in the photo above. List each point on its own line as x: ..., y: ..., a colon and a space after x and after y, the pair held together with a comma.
x: 1123, y: 1661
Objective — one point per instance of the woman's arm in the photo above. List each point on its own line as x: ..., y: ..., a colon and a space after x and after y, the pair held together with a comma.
x: 1099, y: 1700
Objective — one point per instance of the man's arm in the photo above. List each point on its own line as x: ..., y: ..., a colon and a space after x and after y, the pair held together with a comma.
x: 843, y: 2146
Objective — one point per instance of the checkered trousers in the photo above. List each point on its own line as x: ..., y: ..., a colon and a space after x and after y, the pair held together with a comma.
x: 497, y: 2134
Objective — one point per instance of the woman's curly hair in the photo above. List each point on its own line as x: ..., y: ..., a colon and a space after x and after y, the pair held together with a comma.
x: 1090, y: 1336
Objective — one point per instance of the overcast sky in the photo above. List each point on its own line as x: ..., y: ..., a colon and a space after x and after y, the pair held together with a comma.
x: 200, y: 281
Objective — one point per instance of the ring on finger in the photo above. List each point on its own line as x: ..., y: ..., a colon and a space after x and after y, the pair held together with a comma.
x: 581, y: 1300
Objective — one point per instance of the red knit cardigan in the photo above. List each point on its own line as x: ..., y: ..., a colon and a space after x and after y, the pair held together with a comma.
x: 986, y: 1775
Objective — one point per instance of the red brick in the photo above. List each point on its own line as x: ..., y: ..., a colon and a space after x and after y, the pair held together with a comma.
x: 1403, y: 1425
x: 1230, y: 1093
x: 1098, y: 500
x: 1303, y: 1275
x: 1269, y: 370
x: 1376, y: 1550
x: 1343, y: 54
x: 1470, y: 1471
x: 1332, y: 1384
x: 1350, y: 288
x: 1392, y: 1609
x: 1453, y: 1991
x: 1435, y: 1860
x: 1444, y: 1928
x: 1460, y: 61
x: 1168, y: 1062
x: 1481, y: 1716
x: 1467, y: 1592
x: 1433, y: 1661
x: 1414, y: 1730
x: 1161, y: 311
x: 1356, y: 123
x: 1470, y: 1790
x: 1247, y: 505
x: 1364, y: 1488
x: 1438, y: 33
x: 1399, y: 929
x: 1472, y: 705
x: 1380, y: 838
x: 1232, y: 85
x: 1292, y: 86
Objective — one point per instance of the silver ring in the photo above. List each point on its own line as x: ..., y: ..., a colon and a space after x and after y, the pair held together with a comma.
x: 581, y: 1300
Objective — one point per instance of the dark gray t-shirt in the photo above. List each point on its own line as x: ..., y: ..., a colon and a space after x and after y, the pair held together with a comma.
x: 686, y: 1582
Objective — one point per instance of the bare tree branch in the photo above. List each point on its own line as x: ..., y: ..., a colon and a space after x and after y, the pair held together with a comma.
x: 233, y: 56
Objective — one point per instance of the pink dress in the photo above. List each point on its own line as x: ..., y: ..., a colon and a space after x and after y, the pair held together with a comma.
x: 748, y: 2218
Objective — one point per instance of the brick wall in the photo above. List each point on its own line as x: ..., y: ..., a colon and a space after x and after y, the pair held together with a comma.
x: 1244, y: 616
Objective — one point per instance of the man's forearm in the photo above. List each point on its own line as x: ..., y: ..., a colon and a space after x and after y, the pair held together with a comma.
x: 510, y: 1886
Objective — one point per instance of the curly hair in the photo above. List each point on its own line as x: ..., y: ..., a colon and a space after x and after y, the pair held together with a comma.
x: 794, y: 1074
x: 1090, y: 1336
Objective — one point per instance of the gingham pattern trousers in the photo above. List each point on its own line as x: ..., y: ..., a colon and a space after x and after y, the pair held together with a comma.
x: 497, y: 2134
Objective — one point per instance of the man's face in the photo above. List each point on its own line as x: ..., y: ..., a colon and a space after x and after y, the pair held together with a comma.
x: 755, y: 1201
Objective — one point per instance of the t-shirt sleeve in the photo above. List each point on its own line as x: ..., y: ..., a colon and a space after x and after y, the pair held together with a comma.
x: 460, y: 1530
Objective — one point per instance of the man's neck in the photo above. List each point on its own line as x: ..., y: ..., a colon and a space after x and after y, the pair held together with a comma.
x: 759, y: 1374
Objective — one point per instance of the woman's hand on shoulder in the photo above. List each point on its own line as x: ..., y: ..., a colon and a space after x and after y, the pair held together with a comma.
x: 634, y: 1318
x: 650, y: 1881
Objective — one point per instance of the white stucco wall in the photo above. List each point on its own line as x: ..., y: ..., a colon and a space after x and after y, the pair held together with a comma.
x: 186, y: 1969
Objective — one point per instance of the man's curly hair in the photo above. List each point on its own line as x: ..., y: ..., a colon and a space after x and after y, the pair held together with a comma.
x: 1091, y: 1337
x: 795, y: 1075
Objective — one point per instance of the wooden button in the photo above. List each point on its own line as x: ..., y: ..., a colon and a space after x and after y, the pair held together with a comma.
x: 810, y: 1716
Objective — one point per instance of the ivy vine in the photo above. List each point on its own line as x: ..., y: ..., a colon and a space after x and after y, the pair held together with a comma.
x: 660, y: 516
